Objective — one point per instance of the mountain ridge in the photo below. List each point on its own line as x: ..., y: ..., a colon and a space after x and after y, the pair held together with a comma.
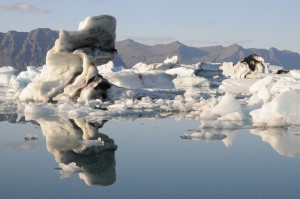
x: 21, y: 49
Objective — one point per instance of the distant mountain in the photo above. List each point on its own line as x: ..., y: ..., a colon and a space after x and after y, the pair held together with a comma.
x: 132, y: 52
x: 20, y: 49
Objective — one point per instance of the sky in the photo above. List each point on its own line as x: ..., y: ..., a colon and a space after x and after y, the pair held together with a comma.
x: 199, y: 23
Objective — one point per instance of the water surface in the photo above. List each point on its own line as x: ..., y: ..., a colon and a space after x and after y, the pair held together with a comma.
x: 146, y: 158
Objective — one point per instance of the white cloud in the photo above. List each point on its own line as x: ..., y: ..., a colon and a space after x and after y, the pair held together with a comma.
x: 24, y: 7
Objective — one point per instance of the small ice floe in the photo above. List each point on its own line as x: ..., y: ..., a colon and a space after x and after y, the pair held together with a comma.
x: 30, y: 137
x: 204, y: 136
x: 90, y: 143
x: 68, y: 169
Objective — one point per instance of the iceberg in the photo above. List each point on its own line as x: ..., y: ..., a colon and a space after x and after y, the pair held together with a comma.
x: 252, y: 66
x: 70, y: 71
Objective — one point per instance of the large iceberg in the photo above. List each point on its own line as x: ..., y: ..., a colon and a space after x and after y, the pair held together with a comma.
x: 70, y: 71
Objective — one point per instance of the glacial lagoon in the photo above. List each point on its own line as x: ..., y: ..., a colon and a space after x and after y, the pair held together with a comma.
x: 80, y: 127
x: 147, y: 157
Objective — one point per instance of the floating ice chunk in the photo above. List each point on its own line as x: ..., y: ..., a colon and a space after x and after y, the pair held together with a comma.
x: 167, y: 64
x: 24, y: 77
x: 132, y: 80
x: 172, y: 60
x: 234, y: 116
x: 109, y: 68
x: 227, y: 68
x: 181, y: 71
x: 283, y: 110
x: 227, y: 104
x: 208, y: 114
x: 252, y: 66
x: 266, y: 89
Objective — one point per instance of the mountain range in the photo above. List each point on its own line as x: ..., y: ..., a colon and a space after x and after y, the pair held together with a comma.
x: 21, y: 49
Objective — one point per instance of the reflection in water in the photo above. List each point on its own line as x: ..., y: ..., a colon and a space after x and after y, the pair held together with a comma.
x: 206, y: 136
x: 286, y: 141
x: 77, y: 142
x: 226, y: 136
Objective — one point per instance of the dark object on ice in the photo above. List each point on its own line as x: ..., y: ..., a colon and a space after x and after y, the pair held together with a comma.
x: 252, y: 60
x: 282, y: 72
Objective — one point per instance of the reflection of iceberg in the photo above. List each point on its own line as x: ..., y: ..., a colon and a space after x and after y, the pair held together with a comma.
x: 230, y: 137
x: 226, y: 136
x: 207, y: 136
x: 77, y: 142
x: 69, y: 169
x: 286, y: 141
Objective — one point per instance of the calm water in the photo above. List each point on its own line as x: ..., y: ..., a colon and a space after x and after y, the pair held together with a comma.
x: 151, y: 160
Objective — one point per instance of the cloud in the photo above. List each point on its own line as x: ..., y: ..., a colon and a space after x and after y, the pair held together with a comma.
x: 24, y: 8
